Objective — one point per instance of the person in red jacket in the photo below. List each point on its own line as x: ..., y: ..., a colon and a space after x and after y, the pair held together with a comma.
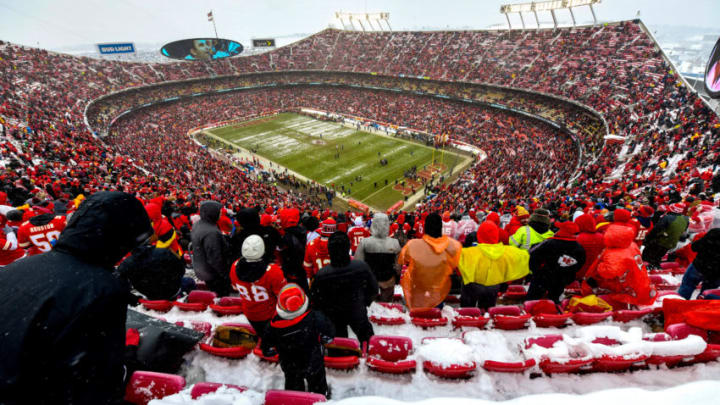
x: 619, y: 270
x: 590, y: 240
x: 316, y: 252
x: 9, y: 250
x: 164, y: 230
x: 257, y: 282
x: 644, y: 218
x: 39, y: 233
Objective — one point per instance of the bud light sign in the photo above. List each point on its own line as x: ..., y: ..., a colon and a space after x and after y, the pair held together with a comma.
x: 110, y: 49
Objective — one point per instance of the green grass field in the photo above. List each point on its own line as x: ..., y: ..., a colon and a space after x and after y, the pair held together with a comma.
x: 309, y: 147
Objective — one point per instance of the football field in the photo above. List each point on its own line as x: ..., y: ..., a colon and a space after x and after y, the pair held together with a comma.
x: 341, y: 157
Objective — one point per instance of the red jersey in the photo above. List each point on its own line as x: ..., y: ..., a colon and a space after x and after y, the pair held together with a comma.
x: 316, y: 256
x: 37, y: 235
x: 356, y: 234
x: 419, y: 229
x: 259, y: 297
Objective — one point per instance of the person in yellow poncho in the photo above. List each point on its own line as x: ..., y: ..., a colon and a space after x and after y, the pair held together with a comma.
x: 431, y: 260
x: 485, y: 267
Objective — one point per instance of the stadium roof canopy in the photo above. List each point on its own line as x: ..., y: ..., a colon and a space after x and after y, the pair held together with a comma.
x: 550, y: 6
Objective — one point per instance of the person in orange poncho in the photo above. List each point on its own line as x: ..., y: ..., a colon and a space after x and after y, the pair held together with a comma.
x: 619, y: 270
x: 430, y: 261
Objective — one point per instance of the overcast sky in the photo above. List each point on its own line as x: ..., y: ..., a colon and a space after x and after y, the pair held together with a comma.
x: 58, y: 24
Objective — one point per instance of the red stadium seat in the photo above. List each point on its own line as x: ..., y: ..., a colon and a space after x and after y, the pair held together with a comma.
x: 546, y: 341
x: 145, y: 386
x: 545, y: 314
x: 203, y: 327
x: 452, y: 371
x: 190, y: 306
x: 549, y: 366
x: 343, y: 362
x: 257, y: 351
x: 508, y: 367
x: 509, y: 317
x: 470, y: 317
x: 203, y: 388
x: 282, y: 397
x: 515, y: 292
x: 617, y: 363
x: 206, y: 297
x: 388, y: 354
x: 680, y: 331
x: 389, y: 320
x: 157, y: 305
x: 236, y: 352
x: 427, y: 317
x: 227, y: 306
x: 589, y: 318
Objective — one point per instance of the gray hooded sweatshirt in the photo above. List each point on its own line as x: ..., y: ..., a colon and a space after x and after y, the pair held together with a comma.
x: 379, y: 251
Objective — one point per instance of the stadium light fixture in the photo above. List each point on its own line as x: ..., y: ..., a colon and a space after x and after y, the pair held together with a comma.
x: 369, y: 18
x: 550, y: 6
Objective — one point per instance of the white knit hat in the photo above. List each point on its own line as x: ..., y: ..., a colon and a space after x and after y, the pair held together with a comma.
x: 253, y: 248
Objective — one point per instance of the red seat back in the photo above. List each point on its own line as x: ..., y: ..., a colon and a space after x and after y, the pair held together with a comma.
x: 282, y: 397
x: 206, y: 297
x: 475, y: 312
x: 350, y: 343
x: 546, y: 341
x: 390, y: 348
x: 680, y: 331
x: 536, y: 307
x: 511, y: 310
x: 145, y: 386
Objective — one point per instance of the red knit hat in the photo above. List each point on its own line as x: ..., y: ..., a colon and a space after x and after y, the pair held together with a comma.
x: 292, y: 302
x: 646, y: 211
x: 621, y: 215
x: 566, y: 229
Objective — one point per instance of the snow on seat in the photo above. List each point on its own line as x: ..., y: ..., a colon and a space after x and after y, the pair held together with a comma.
x: 508, y: 367
x: 383, y: 313
x: 200, y: 326
x: 388, y: 354
x: 427, y: 317
x: 589, y: 318
x: 509, y: 317
x: 609, y: 363
x: 447, y: 357
x: 627, y: 315
x: 339, y: 355
x: 471, y: 317
x: 515, y: 292
x: 145, y: 386
x: 284, y: 397
x: 203, y: 388
x: 554, y: 364
x: 157, y: 305
x: 545, y: 314
x: 206, y: 297
x: 711, y: 353
x: 228, y: 306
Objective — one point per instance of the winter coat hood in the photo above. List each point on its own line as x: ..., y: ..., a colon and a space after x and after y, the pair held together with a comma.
x: 586, y: 223
x: 107, y: 226
x: 618, y: 237
x: 438, y: 245
x: 210, y: 211
x: 248, y: 219
x: 250, y: 271
x: 492, y: 251
x: 488, y: 233
x: 380, y: 227
x: 43, y: 219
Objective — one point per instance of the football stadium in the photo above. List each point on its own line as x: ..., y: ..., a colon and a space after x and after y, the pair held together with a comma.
x: 390, y: 203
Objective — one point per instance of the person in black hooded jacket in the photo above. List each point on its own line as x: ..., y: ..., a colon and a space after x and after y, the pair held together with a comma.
x: 296, y: 334
x: 707, y: 261
x: 211, y: 251
x: 64, y: 312
x: 154, y: 272
x: 555, y: 262
x: 344, y: 289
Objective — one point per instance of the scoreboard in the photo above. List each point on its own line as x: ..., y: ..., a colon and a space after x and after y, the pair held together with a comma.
x: 264, y: 43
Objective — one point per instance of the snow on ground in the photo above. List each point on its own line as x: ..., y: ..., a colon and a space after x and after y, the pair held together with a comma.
x: 698, y: 392
x: 485, y: 345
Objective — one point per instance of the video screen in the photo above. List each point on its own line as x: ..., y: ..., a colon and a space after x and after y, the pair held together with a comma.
x: 201, y: 49
x: 712, y: 72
